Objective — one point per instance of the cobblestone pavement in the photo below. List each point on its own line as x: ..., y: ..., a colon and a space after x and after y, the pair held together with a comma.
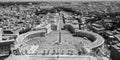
x: 50, y: 45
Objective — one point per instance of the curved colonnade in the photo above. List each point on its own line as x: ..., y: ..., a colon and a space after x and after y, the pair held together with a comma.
x: 20, y: 39
x: 96, y: 39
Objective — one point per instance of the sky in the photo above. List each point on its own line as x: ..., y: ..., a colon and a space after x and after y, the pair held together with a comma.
x: 53, y: 0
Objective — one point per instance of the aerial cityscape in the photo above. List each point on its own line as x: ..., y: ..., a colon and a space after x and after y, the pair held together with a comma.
x: 57, y: 30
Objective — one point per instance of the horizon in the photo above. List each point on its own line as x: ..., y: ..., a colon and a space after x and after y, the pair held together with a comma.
x: 52, y: 0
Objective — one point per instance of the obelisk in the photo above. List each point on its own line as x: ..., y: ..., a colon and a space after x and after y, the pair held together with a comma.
x: 1, y: 32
